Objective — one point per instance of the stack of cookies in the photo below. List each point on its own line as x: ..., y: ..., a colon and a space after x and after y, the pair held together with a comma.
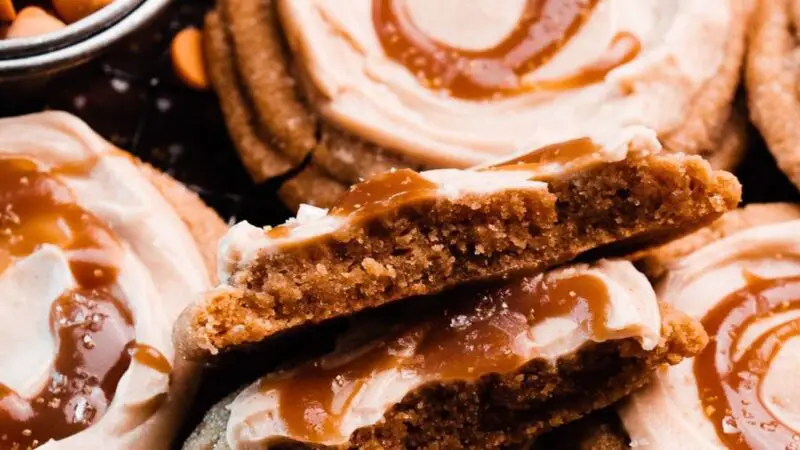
x: 514, y: 226
x: 487, y: 306
x: 491, y: 272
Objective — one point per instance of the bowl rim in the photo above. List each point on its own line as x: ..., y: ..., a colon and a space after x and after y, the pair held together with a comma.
x: 91, y: 24
x: 81, y: 40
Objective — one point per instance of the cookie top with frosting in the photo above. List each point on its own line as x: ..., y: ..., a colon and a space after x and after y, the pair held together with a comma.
x: 95, y: 265
x: 449, y: 83
x: 741, y: 392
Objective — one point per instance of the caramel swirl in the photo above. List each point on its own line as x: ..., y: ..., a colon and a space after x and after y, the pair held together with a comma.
x: 622, y: 50
x: 469, y: 335
x: 543, y: 29
x: 730, y: 377
x: 93, y: 329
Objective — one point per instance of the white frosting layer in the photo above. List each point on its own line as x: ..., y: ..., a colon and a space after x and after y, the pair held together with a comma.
x: 669, y: 414
x: 244, y: 242
x: 632, y: 312
x: 29, y: 287
x: 366, y: 92
x: 160, y: 272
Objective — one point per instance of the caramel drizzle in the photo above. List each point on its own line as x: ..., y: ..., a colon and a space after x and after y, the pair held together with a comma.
x: 93, y: 329
x: 469, y: 335
x: 730, y: 389
x: 561, y: 153
x: 374, y: 196
x: 544, y: 28
x: 377, y: 193
x: 624, y: 48
x: 279, y: 232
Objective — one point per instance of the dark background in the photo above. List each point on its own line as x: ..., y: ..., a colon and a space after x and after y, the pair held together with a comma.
x: 134, y: 100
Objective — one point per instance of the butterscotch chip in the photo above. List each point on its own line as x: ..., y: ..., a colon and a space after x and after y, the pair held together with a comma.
x: 186, y: 51
x: 7, y: 11
x: 33, y: 21
x: 772, y: 81
x: 75, y: 10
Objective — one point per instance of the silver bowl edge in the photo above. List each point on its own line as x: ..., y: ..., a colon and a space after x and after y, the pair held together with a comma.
x: 75, y: 50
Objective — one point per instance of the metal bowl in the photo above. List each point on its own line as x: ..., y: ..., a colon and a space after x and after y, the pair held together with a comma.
x: 43, y: 55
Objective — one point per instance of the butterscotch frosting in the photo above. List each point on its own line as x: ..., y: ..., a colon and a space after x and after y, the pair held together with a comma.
x: 452, y: 83
x: 495, y: 330
x: 742, y: 392
x: 520, y: 171
x: 95, y: 266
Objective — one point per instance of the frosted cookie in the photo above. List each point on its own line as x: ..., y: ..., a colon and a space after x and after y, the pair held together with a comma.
x: 483, y: 367
x: 739, y: 392
x: 388, y: 83
x: 742, y: 285
x: 405, y: 233
x: 99, y: 253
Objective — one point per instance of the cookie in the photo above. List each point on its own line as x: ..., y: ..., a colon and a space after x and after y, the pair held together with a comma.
x: 656, y: 262
x: 739, y: 278
x: 104, y: 252
x: 404, y: 233
x: 314, y: 186
x: 601, y: 430
x: 771, y: 82
x: 285, y: 100
x: 203, y: 222
x: 422, y: 384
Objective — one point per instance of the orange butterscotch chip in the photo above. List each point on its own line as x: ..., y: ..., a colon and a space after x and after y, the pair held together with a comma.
x: 7, y: 11
x: 75, y: 10
x: 33, y: 21
x: 187, y: 58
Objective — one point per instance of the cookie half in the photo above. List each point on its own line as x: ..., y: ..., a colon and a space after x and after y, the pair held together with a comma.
x: 405, y: 233
x: 487, y: 367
